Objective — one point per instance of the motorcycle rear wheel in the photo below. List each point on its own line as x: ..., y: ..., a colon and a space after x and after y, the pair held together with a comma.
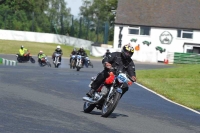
x: 19, y: 59
x: 87, y: 107
x: 109, y: 106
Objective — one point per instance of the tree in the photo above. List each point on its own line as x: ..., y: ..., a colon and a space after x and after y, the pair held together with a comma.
x: 58, y: 14
x: 99, y: 12
x: 2, y: 1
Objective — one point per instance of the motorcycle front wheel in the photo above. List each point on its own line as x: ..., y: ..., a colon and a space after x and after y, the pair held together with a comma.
x: 72, y: 64
x: 109, y: 106
x: 42, y: 64
x: 78, y: 68
x: 48, y: 64
x: 32, y: 60
x: 87, y: 107
x: 91, y: 64
x: 56, y: 64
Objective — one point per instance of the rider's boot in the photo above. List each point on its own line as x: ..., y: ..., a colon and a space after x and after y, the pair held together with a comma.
x: 90, y: 93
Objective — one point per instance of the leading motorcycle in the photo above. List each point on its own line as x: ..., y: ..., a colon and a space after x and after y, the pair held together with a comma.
x: 107, y: 95
x: 27, y: 57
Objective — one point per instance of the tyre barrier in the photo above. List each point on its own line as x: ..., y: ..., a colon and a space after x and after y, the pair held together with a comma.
x: 8, y: 62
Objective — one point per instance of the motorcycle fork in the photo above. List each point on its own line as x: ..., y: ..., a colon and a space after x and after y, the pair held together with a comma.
x: 110, y: 93
x: 77, y: 62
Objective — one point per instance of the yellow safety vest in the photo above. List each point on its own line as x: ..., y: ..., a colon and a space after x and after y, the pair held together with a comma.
x: 22, y: 51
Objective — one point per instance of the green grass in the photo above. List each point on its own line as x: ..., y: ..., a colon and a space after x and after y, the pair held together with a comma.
x: 180, y: 84
x: 12, y: 47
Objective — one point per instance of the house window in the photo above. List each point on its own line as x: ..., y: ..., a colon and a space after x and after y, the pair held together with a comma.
x: 143, y: 30
x: 185, y: 34
x: 134, y: 30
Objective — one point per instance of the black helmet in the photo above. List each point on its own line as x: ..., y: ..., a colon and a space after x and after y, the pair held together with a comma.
x: 127, y: 51
x: 81, y: 49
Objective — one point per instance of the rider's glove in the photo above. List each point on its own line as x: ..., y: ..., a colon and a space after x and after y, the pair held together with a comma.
x: 133, y: 78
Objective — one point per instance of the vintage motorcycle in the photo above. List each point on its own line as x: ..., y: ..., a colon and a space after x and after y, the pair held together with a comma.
x: 56, y: 60
x: 45, y: 62
x: 107, y: 95
x: 27, y: 57
x: 89, y: 63
x: 73, y: 61
x: 79, y: 62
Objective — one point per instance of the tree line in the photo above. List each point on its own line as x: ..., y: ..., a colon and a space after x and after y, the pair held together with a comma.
x: 95, y: 21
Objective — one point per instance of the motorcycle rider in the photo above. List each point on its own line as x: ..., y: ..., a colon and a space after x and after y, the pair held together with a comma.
x: 74, y: 52
x: 82, y: 52
x: 119, y: 60
x: 107, y: 53
x: 22, y: 52
x: 59, y: 51
x: 40, y: 56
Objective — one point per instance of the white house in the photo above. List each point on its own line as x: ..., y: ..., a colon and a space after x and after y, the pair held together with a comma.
x: 158, y: 27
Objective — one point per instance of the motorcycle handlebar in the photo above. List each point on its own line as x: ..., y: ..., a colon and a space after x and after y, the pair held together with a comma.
x: 129, y: 77
x: 117, y: 72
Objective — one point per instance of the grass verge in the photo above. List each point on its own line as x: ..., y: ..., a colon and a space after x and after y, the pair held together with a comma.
x: 180, y: 84
x: 12, y: 47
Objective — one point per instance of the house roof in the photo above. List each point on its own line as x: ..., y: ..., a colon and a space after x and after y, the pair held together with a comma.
x: 183, y: 14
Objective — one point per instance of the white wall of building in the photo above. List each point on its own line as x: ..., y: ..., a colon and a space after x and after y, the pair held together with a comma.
x: 149, y: 53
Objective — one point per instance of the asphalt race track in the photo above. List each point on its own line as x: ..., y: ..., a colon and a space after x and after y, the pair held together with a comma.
x: 36, y: 99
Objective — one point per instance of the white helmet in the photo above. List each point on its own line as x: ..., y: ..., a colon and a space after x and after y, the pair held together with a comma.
x: 58, y: 47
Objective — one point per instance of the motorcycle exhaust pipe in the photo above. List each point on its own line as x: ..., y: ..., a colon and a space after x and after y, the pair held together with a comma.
x: 87, y: 99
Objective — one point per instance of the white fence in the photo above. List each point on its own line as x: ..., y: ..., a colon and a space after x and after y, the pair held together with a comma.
x: 44, y: 38
x: 170, y: 57
x: 142, y: 56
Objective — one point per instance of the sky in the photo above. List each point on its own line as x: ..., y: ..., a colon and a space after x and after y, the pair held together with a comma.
x: 74, y: 5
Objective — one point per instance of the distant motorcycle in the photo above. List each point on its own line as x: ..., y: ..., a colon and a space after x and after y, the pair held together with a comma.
x: 107, y: 95
x: 27, y: 57
x: 45, y: 62
x: 89, y: 63
x: 79, y: 62
x: 73, y: 61
x: 56, y: 60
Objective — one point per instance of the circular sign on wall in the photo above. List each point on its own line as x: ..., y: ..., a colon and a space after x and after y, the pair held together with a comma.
x: 166, y: 37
